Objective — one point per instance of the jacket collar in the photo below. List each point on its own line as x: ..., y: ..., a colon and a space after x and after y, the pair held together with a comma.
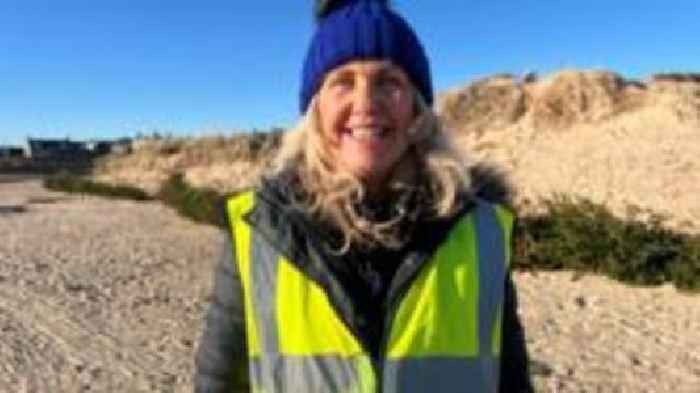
x: 294, y: 236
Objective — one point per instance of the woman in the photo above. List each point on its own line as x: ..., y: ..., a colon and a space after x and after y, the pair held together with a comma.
x: 364, y: 262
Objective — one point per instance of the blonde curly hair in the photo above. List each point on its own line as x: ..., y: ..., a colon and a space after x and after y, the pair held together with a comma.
x: 431, y: 174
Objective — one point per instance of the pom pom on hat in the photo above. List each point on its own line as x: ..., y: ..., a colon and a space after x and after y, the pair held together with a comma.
x: 325, y: 7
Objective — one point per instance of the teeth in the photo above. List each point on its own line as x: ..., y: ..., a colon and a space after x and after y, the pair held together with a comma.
x: 366, y: 133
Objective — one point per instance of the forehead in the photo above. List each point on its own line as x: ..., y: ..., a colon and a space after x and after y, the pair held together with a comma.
x: 368, y: 67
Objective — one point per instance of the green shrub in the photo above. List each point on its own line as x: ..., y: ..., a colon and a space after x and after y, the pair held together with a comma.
x: 583, y: 236
x: 68, y: 182
x: 199, y: 204
x: 573, y: 235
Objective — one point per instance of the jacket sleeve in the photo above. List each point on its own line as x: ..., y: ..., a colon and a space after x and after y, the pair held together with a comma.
x: 515, y: 376
x: 221, y: 362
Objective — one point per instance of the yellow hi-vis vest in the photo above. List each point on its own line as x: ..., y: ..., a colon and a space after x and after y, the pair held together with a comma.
x: 445, y: 335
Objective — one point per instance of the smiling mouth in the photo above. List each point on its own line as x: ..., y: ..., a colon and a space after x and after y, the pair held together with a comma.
x: 367, y: 133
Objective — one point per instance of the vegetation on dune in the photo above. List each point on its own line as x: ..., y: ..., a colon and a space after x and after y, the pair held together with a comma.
x: 563, y: 99
x: 68, y: 182
x: 169, y: 153
x: 575, y: 235
x: 203, y: 205
x: 583, y: 236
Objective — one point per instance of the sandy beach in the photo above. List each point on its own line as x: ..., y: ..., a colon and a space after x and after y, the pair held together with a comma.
x: 98, y: 295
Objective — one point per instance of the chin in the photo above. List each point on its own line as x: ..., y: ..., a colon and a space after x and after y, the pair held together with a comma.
x: 370, y: 175
x: 366, y: 169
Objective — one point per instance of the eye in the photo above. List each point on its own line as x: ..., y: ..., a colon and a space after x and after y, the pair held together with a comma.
x: 341, y: 82
x: 390, y: 82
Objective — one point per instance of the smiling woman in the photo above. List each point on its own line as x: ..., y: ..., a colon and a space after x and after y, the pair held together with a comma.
x: 364, y: 262
x: 369, y: 145
x: 365, y: 110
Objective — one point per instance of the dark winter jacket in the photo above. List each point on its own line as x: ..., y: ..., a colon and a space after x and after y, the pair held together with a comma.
x: 374, y: 280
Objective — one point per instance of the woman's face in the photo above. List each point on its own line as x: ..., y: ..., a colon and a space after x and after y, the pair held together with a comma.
x: 365, y: 110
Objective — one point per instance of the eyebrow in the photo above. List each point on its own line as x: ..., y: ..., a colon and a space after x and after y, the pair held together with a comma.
x: 381, y: 71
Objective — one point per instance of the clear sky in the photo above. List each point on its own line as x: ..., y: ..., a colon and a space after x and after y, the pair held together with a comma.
x: 110, y: 68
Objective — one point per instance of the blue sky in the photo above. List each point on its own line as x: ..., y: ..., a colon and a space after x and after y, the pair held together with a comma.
x: 110, y: 68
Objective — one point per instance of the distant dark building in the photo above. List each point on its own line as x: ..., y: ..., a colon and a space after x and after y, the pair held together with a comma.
x: 56, y: 149
x: 66, y: 149
x: 11, y: 152
x: 122, y: 145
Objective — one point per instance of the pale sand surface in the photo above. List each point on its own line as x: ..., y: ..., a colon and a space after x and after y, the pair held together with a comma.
x: 99, y: 295
x: 632, y: 160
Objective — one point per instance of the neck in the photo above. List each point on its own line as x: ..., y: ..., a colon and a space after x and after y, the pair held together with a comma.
x: 403, y: 174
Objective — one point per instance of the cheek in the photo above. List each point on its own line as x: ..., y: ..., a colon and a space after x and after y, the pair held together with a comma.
x: 405, y: 109
x: 324, y: 128
x: 329, y: 118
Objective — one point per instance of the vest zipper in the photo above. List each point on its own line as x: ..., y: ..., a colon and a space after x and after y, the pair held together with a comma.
x: 386, y: 335
x: 395, y: 295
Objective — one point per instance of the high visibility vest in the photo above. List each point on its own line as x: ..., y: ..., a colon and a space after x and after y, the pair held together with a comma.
x: 445, y: 335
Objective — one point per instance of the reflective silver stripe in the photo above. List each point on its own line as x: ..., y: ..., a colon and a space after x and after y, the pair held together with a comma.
x: 492, y: 270
x: 275, y: 373
x: 441, y: 375
x: 272, y: 372
x: 264, y: 260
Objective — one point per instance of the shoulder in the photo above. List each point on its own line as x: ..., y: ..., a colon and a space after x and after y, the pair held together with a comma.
x: 490, y: 183
x: 240, y: 202
x: 270, y: 191
x: 490, y: 211
x: 234, y: 206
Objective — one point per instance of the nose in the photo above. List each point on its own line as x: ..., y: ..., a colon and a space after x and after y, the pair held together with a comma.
x: 366, y: 98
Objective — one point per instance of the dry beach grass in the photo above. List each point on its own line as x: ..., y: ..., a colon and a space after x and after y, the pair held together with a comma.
x: 223, y: 163
x: 592, y: 135
x: 588, y: 133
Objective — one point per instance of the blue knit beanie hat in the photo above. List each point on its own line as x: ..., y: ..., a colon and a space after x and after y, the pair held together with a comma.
x: 362, y: 29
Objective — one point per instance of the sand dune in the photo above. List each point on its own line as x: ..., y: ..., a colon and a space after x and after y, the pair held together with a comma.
x: 588, y: 133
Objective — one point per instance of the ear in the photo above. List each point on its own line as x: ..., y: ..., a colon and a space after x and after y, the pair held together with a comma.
x: 419, y: 104
x: 422, y: 117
